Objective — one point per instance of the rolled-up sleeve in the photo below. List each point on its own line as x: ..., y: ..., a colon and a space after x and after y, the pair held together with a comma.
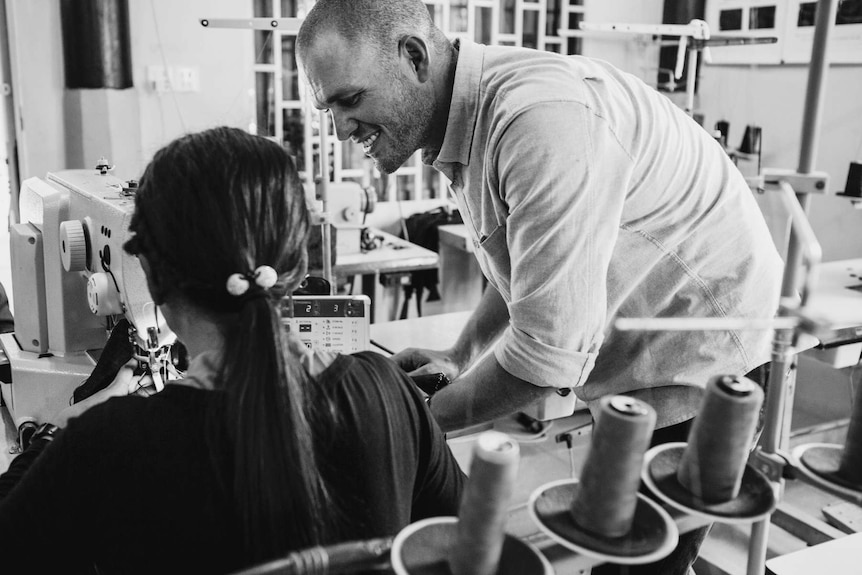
x: 562, y: 178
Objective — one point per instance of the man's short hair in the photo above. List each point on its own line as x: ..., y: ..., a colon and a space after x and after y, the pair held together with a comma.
x: 380, y: 24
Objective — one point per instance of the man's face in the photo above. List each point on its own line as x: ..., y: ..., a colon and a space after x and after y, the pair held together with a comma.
x: 378, y: 105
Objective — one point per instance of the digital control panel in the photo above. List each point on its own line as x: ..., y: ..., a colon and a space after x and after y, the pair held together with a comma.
x: 330, y: 323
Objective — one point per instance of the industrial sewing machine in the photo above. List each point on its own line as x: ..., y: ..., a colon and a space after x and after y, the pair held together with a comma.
x: 348, y: 203
x: 73, y: 283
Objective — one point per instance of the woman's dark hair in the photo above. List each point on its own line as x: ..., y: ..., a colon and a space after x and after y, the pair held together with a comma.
x: 210, y: 205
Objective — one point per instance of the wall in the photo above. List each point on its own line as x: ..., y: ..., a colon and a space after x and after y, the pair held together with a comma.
x: 160, y: 35
x: 37, y: 83
x: 773, y: 97
x: 167, y: 33
x: 769, y: 96
x: 632, y: 54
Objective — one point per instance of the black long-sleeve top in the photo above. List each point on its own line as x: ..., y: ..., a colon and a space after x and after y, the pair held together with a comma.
x: 131, y: 487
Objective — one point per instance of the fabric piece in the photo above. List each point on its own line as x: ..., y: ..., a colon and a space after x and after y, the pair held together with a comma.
x: 117, y: 352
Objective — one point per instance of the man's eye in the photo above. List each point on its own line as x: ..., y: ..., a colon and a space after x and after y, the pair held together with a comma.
x: 353, y: 100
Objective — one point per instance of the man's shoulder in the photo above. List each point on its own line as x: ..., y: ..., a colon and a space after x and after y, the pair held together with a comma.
x: 515, y: 81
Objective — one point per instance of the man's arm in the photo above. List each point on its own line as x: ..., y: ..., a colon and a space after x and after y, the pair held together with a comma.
x: 485, y: 393
x: 482, y: 329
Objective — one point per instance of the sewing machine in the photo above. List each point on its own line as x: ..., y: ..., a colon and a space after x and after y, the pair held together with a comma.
x: 348, y: 202
x: 72, y: 283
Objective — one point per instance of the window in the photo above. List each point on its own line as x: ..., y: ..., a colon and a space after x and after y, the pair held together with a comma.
x: 283, y: 115
x: 762, y: 18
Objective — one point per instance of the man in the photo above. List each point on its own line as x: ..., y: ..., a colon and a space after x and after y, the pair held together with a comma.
x: 589, y: 196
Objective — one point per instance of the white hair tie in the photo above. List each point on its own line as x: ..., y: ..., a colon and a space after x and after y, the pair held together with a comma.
x: 264, y: 277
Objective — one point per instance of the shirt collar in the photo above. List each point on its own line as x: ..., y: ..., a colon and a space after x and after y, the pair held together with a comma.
x: 458, y: 138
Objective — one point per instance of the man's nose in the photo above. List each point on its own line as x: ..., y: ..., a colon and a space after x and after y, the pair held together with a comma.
x: 344, y: 126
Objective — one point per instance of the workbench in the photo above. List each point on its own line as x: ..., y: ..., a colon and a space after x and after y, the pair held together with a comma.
x: 545, y: 456
x: 391, y: 256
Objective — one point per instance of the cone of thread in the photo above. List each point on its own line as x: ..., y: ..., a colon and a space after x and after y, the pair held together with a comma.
x: 607, y: 497
x: 485, y: 505
x: 720, y: 439
x: 850, y: 468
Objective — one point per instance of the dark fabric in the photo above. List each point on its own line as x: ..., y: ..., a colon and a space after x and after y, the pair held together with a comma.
x: 19, y: 466
x: 422, y: 231
x: 130, y: 486
x: 116, y: 353
x: 7, y: 323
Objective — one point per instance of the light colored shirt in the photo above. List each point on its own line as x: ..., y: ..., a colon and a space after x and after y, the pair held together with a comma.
x: 590, y: 196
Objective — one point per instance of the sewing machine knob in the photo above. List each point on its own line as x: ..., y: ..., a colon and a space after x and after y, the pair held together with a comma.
x: 102, y: 295
x: 369, y: 199
x: 349, y: 214
x: 73, y: 245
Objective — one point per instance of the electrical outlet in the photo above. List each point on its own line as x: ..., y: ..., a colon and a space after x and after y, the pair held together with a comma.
x: 158, y: 78
x: 173, y: 78
x: 187, y: 79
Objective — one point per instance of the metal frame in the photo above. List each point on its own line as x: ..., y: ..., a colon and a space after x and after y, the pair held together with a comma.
x: 413, y: 172
x: 799, y: 281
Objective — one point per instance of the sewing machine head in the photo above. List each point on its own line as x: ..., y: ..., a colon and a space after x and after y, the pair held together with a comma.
x: 91, y: 243
x: 348, y: 204
x: 72, y: 280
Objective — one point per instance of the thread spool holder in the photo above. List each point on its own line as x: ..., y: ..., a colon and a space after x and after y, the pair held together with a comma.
x: 756, y: 499
x: 653, y: 535
x: 793, y: 319
x: 425, y: 547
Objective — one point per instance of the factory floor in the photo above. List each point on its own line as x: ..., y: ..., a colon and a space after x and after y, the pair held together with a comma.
x: 725, y: 551
x: 820, y: 413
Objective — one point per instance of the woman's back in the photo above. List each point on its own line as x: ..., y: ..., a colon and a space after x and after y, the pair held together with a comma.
x: 132, y: 485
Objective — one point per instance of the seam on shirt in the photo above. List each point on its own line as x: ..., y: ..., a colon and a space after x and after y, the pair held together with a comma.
x: 591, y: 252
x: 697, y: 279
x: 514, y: 113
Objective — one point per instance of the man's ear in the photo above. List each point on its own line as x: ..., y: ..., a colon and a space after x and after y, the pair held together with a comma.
x: 415, y: 51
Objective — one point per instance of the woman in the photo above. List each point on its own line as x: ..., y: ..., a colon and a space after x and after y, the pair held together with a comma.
x: 262, y: 448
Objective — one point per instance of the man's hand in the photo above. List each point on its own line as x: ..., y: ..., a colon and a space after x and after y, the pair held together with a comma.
x: 416, y: 361
x: 125, y: 383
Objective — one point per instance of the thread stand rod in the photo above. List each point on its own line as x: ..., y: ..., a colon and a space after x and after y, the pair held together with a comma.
x: 779, y: 392
x: 324, y: 198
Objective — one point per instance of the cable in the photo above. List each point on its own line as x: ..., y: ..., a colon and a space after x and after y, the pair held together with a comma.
x: 384, y: 348
x: 165, y: 65
x: 257, y: 60
x: 108, y: 271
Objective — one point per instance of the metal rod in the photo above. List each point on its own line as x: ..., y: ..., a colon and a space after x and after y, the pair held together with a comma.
x: 703, y: 324
x: 816, y: 85
x: 806, y: 240
x: 778, y: 392
x: 282, y: 24
x: 7, y: 109
x: 757, y: 547
x: 691, y: 79
x: 323, y: 190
